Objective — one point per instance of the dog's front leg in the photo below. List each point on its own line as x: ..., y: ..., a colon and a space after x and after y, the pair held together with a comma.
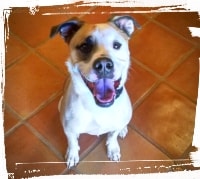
x: 113, y: 148
x: 72, y: 154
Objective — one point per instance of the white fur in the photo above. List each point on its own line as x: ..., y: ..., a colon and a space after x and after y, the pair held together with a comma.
x: 79, y: 112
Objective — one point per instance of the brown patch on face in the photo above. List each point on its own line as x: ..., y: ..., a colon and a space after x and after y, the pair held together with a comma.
x: 83, y: 44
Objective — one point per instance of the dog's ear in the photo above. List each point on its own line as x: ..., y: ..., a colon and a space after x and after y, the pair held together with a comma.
x: 126, y: 23
x: 67, y: 29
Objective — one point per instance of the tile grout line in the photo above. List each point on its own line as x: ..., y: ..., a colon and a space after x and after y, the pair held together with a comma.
x: 161, y: 149
x: 43, y: 140
x: 163, y: 79
x: 186, y: 153
x: 12, y: 111
x: 157, y: 146
x: 146, y: 68
x: 182, y: 93
x: 92, y: 147
x: 85, y: 153
x: 66, y: 171
x: 43, y: 105
x: 16, y: 116
x: 22, y: 120
x: 9, y: 66
x: 187, y: 150
x: 180, y: 61
x: 14, y: 128
x: 175, y: 33
x: 185, y: 156
x: 49, y: 63
x: 183, y: 58
x: 145, y: 95
x: 35, y: 133
x: 150, y: 90
x: 15, y: 60
x: 68, y: 17
x: 33, y: 50
x: 29, y: 48
x: 163, y: 26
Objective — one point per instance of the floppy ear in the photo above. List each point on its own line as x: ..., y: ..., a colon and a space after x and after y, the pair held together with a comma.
x: 126, y: 23
x: 67, y: 29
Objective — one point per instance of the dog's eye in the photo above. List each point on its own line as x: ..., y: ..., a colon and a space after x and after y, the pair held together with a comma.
x: 117, y: 45
x: 87, y: 46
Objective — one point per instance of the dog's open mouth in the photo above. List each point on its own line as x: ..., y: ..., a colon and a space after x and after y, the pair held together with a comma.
x: 104, y: 90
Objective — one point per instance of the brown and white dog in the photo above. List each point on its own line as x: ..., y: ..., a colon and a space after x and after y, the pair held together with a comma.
x: 96, y: 101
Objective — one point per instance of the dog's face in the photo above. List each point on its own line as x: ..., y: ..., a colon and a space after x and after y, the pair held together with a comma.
x: 101, y: 54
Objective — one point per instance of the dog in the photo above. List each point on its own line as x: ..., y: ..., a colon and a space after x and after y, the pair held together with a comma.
x: 96, y: 101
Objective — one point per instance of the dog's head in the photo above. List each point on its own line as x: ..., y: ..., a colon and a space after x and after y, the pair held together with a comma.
x: 100, y: 54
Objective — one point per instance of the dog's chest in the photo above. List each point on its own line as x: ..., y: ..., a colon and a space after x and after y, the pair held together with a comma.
x: 102, y: 123
x: 103, y: 120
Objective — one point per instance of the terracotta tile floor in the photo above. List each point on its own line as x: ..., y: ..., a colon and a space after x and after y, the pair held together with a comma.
x: 162, y: 83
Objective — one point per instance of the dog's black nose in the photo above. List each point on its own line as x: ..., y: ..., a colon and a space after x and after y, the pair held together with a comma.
x: 104, y: 68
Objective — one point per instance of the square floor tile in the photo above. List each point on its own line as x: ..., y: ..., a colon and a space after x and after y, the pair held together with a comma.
x: 167, y: 118
x: 186, y: 76
x: 138, y: 82
x: 30, y: 83
x: 180, y: 21
x: 23, y: 147
x: 138, y: 156
x: 157, y: 48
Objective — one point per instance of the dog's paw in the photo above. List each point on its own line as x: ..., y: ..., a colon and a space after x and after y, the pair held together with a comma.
x: 114, y: 155
x: 123, y: 132
x: 72, y: 158
x: 113, y: 152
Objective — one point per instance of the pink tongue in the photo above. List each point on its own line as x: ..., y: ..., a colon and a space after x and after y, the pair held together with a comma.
x: 104, y: 90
